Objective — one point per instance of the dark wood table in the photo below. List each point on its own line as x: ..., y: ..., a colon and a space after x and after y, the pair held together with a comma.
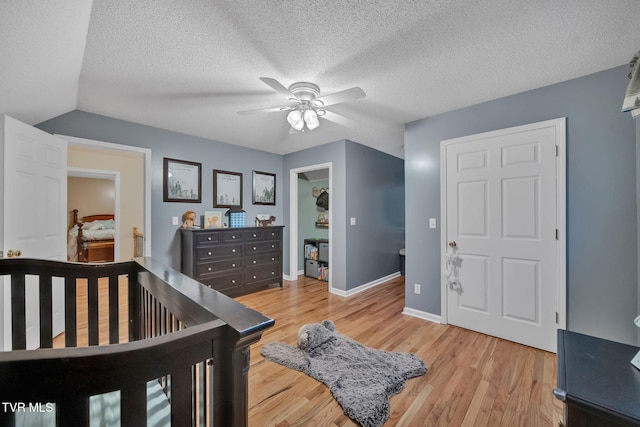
x: 597, y: 382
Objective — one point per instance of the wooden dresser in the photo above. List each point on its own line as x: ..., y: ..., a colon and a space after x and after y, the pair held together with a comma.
x: 234, y: 261
x: 597, y: 382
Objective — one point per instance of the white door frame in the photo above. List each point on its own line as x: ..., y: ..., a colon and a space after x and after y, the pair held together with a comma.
x: 293, y: 218
x: 561, y: 217
x: 115, y: 177
x: 147, y: 177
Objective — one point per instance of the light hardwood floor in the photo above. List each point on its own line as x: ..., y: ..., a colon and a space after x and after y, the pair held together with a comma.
x: 472, y: 379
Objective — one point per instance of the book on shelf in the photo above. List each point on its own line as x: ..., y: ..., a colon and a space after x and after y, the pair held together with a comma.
x: 310, y: 252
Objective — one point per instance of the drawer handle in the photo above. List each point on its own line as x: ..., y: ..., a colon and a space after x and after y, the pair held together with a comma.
x: 254, y: 235
x: 273, y: 273
x: 273, y: 258
x: 209, y: 268
x: 254, y: 261
x: 254, y: 276
x: 254, y: 248
x: 233, y: 250
x: 233, y: 265
x: 233, y: 281
x: 273, y: 246
x: 233, y: 237
x: 208, y: 238
x: 273, y: 234
x: 209, y: 253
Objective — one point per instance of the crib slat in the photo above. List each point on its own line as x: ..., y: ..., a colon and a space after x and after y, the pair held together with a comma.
x: 70, y: 318
x: 92, y: 297
x: 133, y: 405
x: 114, y: 310
x: 46, y: 312
x: 18, y: 313
x: 181, y: 412
x: 72, y: 412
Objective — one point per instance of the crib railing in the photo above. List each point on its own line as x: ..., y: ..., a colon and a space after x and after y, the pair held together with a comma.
x: 188, y: 340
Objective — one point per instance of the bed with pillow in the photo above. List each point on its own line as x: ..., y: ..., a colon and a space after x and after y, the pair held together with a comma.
x: 92, y: 239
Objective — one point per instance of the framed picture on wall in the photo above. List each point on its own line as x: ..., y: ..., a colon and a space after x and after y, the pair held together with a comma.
x: 182, y: 181
x: 264, y: 188
x: 227, y: 189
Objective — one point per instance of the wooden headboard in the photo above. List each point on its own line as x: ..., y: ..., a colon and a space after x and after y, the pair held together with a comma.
x: 89, y: 218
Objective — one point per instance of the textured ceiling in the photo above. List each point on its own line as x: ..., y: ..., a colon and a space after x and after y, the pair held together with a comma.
x: 190, y: 65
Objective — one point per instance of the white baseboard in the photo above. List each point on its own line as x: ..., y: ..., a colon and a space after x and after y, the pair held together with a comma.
x: 363, y: 287
x: 422, y: 315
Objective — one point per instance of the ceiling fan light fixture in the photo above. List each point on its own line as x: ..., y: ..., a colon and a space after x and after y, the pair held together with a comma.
x: 295, y: 119
x: 311, y: 119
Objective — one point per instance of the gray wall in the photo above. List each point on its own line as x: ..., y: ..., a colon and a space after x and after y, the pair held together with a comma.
x: 375, y: 197
x: 602, y: 251
x: 212, y: 155
x: 308, y: 214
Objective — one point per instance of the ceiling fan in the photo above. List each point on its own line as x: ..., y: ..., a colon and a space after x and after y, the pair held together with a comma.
x: 307, y: 106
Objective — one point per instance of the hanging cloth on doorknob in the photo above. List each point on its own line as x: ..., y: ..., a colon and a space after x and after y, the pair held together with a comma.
x: 451, y: 266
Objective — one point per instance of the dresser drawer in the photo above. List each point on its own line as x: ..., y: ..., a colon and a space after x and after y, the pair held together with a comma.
x: 232, y: 236
x: 206, y: 238
x: 223, y: 282
x: 222, y: 251
x: 264, y: 272
x: 264, y: 233
x: 255, y: 260
x: 205, y: 268
x: 261, y: 247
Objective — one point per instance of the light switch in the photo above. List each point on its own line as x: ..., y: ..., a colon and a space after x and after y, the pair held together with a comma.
x: 175, y: 220
x: 353, y: 220
x: 432, y: 223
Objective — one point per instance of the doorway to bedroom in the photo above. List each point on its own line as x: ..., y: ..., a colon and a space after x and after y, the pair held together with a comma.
x: 91, y: 193
x: 114, y: 182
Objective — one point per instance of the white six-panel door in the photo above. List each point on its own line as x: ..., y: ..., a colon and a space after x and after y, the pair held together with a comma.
x: 501, y: 251
x: 34, y: 214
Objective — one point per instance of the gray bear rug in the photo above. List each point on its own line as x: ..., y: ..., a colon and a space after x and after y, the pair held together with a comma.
x: 361, y: 379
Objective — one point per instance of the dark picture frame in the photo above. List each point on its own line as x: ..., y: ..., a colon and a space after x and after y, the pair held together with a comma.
x: 182, y: 181
x: 264, y: 188
x: 227, y: 189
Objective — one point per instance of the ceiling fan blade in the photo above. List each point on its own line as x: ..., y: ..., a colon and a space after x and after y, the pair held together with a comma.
x: 264, y: 110
x: 339, y: 119
x: 277, y: 86
x: 339, y: 97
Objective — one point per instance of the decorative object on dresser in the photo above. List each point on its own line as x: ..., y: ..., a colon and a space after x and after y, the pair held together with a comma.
x: 264, y: 188
x: 182, y: 181
x: 234, y: 261
x: 227, y: 189
x: 92, y: 239
x: 237, y: 218
x: 316, y: 258
x: 189, y: 219
x: 213, y: 219
x: 264, y: 220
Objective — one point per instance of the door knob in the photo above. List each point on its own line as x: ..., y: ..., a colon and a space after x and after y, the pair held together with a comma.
x: 12, y: 254
x: 453, y: 244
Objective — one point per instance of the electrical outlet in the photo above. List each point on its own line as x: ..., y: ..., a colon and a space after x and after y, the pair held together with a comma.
x: 416, y: 289
x: 175, y: 220
x: 353, y: 220
x: 432, y: 223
